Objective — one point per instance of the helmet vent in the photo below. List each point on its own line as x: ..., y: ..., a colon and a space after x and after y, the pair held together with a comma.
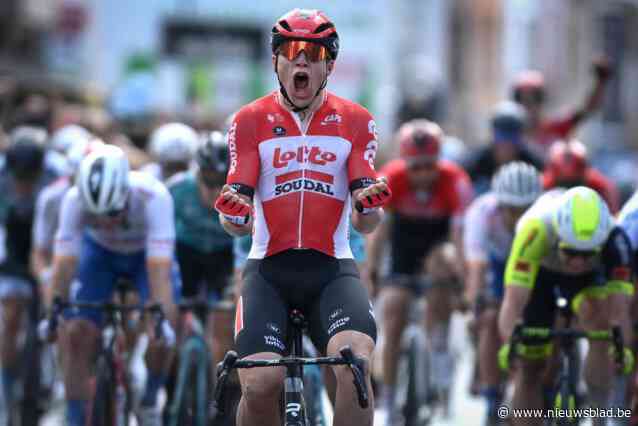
x: 321, y: 28
x: 285, y: 25
x: 95, y: 179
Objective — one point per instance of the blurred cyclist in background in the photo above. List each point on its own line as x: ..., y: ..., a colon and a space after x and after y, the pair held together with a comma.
x: 204, y: 250
x: 74, y: 142
x: 568, y: 166
x: 488, y: 232
x: 567, y: 244
x: 426, y: 211
x: 114, y: 223
x: 172, y: 146
x: 508, y: 122
x: 20, y: 181
x: 529, y: 90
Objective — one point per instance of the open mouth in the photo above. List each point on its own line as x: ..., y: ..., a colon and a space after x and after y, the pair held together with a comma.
x: 301, y: 80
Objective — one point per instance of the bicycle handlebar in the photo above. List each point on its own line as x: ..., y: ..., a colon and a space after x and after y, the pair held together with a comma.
x: 109, y: 307
x: 356, y: 364
x: 522, y: 334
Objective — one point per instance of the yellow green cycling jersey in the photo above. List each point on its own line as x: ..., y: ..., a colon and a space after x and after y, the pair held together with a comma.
x: 535, y: 246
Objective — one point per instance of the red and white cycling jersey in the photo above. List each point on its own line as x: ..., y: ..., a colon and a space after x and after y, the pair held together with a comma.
x: 301, y: 179
x: 449, y: 196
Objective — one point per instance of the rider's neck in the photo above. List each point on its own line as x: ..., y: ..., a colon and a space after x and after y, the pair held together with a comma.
x: 314, y: 105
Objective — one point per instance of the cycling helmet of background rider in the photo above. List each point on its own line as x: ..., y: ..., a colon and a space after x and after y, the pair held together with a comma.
x: 420, y: 147
x: 567, y: 164
x: 25, y: 155
x: 516, y: 186
x: 103, y: 181
x: 529, y: 88
x: 308, y: 26
x: 212, y: 160
x: 582, y: 220
x: 508, y: 121
x: 173, y: 145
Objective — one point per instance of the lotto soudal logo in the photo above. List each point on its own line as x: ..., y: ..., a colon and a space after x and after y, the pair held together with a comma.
x: 306, y: 185
x: 310, y: 180
x: 232, y: 148
x: 332, y: 118
x: 303, y: 154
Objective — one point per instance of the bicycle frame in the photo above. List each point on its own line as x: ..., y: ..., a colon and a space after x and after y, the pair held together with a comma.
x: 293, y: 402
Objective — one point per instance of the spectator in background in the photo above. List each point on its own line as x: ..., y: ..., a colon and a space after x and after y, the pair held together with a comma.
x: 529, y: 91
x: 568, y: 166
x: 508, y: 123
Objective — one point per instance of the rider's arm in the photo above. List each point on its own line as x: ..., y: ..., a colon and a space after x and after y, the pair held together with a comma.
x: 362, y: 176
x: 245, y: 166
x: 67, y: 244
x: 41, y: 240
x: 160, y: 243
x: 463, y: 194
x: 375, y: 243
x: 596, y: 96
x: 528, y: 248
x: 475, y: 248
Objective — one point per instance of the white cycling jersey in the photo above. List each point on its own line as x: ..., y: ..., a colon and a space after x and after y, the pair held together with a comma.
x: 485, y: 234
x: 148, y: 223
x: 47, y: 209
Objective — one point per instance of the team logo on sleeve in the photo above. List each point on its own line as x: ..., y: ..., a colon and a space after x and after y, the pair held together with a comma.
x: 232, y: 148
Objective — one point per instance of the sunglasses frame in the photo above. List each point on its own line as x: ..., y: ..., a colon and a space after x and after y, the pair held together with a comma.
x: 315, y: 52
x: 584, y: 254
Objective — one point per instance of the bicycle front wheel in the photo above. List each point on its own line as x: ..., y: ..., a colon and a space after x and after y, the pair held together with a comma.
x: 103, y: 409
x: 189, y: 406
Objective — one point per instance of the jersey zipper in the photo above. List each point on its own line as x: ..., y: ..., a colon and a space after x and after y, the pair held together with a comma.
x: 302, y: 167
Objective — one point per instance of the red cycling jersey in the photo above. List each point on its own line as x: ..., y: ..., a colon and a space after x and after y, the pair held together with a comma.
x: 556, y: 128
x: 451, y: 194
x: 594, y: 180
x: 301, y: 179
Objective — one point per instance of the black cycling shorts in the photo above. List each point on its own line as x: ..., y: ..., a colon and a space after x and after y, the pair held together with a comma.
x: 197, y: 268
x: 540, y: 310
x: 326, y: 290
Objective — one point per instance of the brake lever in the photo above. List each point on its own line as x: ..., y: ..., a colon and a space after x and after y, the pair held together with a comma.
x: 357, y: 367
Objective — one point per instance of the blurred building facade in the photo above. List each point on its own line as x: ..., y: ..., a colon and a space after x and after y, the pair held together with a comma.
x: 447, y: 60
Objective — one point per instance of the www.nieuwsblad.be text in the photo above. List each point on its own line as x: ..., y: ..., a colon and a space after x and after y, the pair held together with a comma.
x: 505, y: 411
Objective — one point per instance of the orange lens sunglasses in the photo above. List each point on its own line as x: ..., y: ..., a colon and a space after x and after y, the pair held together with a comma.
x: 314, y: 52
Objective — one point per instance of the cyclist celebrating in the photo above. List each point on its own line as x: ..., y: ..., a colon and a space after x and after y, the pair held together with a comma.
x: 300, y: 158
x: 508, y: 123
x: 568, y: 166
x: 204, y: 250
x: 566, y: 244
x: 113, y: 223
x: 488, y: 232
x: 172, y: 146
x: 430, y: 197
x: 529, y: 91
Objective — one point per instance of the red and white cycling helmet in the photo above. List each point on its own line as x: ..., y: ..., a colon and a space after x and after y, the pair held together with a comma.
x: 420, y: 140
